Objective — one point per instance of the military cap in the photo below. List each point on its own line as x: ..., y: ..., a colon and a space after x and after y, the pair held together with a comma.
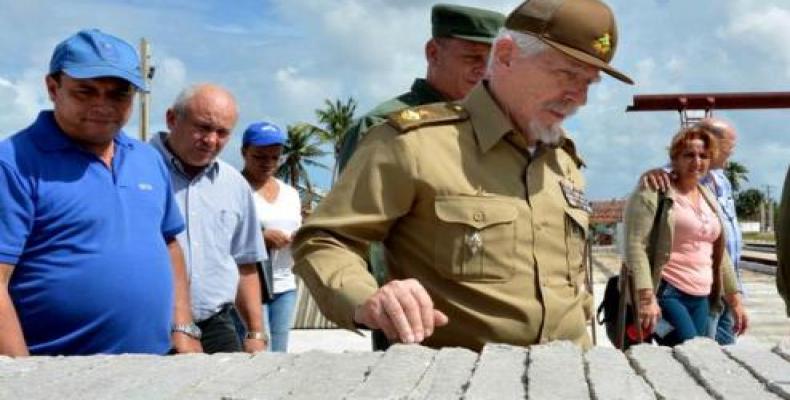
x: 583, y: 29
x: 468, y: 23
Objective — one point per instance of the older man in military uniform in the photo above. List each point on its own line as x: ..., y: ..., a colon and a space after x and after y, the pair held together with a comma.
x: 783, y: 245
x: 456, y: 56
x: 480, y: 203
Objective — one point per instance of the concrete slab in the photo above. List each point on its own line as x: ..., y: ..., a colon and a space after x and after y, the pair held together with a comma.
x: 121, y: 378
x: 611, y: 377
x: 720, y: 375
x: 666, y: 375
x: 312, y: 375
x: 176, y: 375
x: 14, y: 367
x: 335, y: 376
x: 448, y: 375
x: 44, y: 376
x: 500, y: 374
x: 783, y: 348
x: 396, y: 374
x: 235, y: 377
x: 543, y: 379
x: 768, y: 367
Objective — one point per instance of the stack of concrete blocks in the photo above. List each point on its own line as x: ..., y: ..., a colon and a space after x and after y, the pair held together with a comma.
x: 698, y: 369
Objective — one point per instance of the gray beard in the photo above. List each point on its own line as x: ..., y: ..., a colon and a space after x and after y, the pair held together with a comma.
x: 550, y: 135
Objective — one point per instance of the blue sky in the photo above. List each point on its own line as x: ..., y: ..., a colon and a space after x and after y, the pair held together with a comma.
x: 282, y: 58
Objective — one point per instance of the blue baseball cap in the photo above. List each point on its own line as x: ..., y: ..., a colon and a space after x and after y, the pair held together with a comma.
x: 263, y: 134
x: 91, y: 53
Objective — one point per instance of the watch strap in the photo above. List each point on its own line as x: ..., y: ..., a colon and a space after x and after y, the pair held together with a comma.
x: 257, y: 336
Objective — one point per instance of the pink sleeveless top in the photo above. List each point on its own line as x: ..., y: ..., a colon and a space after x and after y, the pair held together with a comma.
x: 690, y: 265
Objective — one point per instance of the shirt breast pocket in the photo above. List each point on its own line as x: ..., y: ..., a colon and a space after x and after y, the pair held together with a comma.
x: 475, y: 238
x: 223, y: 229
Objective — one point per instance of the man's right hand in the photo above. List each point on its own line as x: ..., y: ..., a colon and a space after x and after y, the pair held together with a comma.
x: 183, y: 343
x: 403, y: 310
x: 656, y: 179
x: 12, y: 342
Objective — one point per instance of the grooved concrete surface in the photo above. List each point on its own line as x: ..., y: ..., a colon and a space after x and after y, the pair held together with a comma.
x: 698, y: 369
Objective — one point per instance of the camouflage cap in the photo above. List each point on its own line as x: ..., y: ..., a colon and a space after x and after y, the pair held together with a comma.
x: 583, y: 29
x: 468, y: 23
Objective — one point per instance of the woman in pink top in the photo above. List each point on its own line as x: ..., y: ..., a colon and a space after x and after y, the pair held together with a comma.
x: 677, y: 257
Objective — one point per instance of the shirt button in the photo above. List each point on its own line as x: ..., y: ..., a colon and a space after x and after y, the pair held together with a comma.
x: 478, y: 216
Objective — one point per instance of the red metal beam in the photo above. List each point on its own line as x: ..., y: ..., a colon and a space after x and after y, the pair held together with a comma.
x: 709, y: 101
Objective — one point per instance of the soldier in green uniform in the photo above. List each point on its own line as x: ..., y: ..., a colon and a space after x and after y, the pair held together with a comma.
x: 480, y: 203
x: 783, y: 245
x: 456, y: 56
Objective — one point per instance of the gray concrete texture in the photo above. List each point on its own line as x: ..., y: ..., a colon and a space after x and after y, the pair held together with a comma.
x: 698, y: 369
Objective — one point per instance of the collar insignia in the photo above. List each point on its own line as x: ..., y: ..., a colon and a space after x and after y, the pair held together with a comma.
x: 603, y: 45
x: 410, y: 115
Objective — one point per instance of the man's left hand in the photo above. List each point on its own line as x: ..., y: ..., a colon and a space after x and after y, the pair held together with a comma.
x: 255, y: 345
x: 183, y: 343
x: 738, y: 313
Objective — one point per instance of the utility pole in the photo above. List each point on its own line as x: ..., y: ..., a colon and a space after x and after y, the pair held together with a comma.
x: 148, y: 72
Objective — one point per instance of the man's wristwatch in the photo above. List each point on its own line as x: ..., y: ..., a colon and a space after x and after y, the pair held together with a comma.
x: 189, y: 329
x: 257, y: 336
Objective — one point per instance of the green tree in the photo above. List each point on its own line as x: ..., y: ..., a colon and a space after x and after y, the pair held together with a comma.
x: 737, y: 174
x: 747, y: 204
x: 299, y: 152
x: 335, y: 119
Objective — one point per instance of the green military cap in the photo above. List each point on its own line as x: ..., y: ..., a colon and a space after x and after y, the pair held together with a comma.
x: 468, y: 23
x: 583, y: 29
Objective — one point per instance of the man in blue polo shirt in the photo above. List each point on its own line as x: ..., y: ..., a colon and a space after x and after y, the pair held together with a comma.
x: 88, y: 257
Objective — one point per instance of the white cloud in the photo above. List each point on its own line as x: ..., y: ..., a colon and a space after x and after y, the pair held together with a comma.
x: 20, y: 101
x: 298, y: 90
x: 767, y: 28
x: 282, y: 58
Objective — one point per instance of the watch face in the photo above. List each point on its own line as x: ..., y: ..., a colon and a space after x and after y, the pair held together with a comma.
x: 193, y: 330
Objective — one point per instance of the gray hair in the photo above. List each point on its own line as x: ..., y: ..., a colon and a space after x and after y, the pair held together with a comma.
x: 718, y: 127
x: 528, y: 45
x: 179, y: 106
x: 182, y: 100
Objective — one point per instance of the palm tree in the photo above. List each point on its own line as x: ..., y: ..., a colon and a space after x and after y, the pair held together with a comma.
x: 300, y: 152
x: 748, y: 203
x: 336, y: 117
x: 736, y: 173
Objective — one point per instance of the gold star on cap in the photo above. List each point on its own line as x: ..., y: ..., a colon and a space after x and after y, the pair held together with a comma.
x: 603, y: 44
x: 410, y: 115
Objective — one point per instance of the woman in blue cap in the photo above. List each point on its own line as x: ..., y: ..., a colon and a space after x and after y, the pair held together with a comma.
x: 279, y: 209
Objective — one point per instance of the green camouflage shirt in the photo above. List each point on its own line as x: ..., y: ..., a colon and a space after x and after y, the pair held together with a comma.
x: 421, y: 93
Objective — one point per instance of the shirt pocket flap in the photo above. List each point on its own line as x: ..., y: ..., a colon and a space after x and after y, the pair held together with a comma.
x: 476, y: 212
x: 580, y: 217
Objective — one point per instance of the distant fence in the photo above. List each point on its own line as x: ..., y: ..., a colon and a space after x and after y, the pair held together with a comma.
x: 749, y: 226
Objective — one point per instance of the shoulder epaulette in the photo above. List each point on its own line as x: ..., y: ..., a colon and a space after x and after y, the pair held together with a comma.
x: 430, y: 114
x: 569, y: 147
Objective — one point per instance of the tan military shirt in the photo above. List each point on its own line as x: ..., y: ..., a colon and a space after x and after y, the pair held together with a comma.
x: 461, y: 206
